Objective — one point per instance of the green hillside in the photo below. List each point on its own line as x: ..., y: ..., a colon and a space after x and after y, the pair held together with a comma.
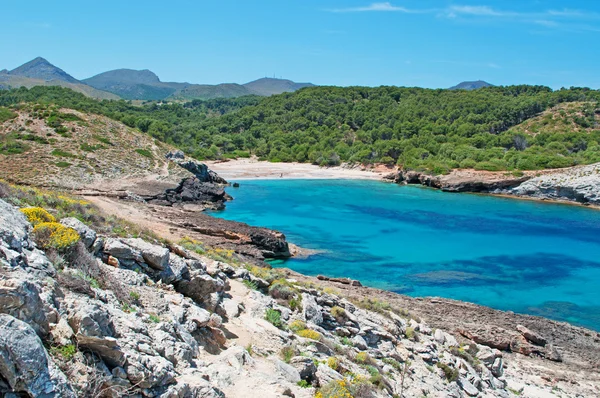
x: 435, y: 130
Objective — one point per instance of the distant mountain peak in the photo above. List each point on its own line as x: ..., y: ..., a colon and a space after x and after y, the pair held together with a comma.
x: 471, y: 85
x: 122, y: 76
x: 40, y: 68
x: 270, y: 86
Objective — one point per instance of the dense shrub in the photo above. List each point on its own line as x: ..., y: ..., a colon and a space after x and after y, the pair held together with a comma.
x: 53, y: 235
x: 274, y: 317
x: 309, y: 334
x: 37, y: 215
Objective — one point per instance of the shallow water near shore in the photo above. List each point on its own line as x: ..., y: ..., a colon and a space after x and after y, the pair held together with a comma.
x: 527, y: 257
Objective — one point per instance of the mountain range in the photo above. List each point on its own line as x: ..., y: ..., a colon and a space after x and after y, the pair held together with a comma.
x: 144, y: 84
x: 137, y: 84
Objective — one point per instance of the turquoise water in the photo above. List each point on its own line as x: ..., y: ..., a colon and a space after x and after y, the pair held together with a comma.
x: 528, y: 257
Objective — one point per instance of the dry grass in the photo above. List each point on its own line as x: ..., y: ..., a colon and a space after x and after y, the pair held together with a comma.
x: 74, y: 149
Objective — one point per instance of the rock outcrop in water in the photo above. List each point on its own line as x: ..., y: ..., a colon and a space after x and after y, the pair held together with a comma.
x: 124, y: 316
x: 458, y: 182
x: 579, y: 184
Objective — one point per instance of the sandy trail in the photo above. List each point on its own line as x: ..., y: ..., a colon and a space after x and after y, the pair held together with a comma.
x: 253, y: 169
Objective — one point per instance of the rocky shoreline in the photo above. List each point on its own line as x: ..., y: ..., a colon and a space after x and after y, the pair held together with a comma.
x: 126, y: 316
x: 579, y: 184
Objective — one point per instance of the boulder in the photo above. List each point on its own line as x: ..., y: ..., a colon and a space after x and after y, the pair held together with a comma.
x: 531, y: 336
x: 288, y: 372
x: 199, y: 316
x: 87, y: 235
x: 552, y: 353
x: 149, y: 371
x: 120, y: 250
x: 497, y: 367
x: 467, y: 387
x: 24, y: 363
x: 305, y: 367
x: 325, y: 375
x: 311, y: 310
x: 496, y: 338
x: 155, y: 256
x: 21, y: 299
x: 95, y: 331
x: 200, y: 286
x: 107, y: 348
x: 14, y: 227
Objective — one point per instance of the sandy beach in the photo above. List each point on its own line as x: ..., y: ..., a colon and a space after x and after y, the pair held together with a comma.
x: 253, y: 169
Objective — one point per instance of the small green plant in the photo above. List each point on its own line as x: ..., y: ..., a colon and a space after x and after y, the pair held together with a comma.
x: 135, y: 296
x: 90, y: 148
x: 64, y: 154
x: 154, y: 318
x: 274, y: 317
x: 393, y: 363
x: 127, y: 308
x: 333, y: 363
x: 450, y: 373
x: 339, y: 314
x: 192, y: 244
x: 297, y: 325
x: 363, y: 358
x: 309, y: 334
x: 287, y: 353
x: 252, y: 285
x: 346, y: 341
x: 296, y: 303
x: 92, y: 281
x: 145, y: 152
x: 63, y: 165
x: 103, y: 140
x: 67, y: 352
x: 250, y: 349
x: 410, y: 333
x: 304, y: 384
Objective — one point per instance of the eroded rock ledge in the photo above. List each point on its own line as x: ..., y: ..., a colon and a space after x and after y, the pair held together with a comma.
x: 580, y: 184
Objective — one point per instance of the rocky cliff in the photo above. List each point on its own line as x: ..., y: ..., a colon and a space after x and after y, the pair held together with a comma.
x: 90, y: 313
x: 579, y: 184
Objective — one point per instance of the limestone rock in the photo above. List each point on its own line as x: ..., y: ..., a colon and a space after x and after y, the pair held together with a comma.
x: 496, y: 338
x: 288, y: 372
x: 24, y: 363
x: 87, y: 235
x: 118, y: 249
x: 305, y: 367
x: 531, y: 336
x: 200, y: 286
x: 155, y: 256
x: 14, y: 227
x: 21, y: 299
x: 61, y: 333
x: 325, y: 374
x: 467, y: 387
x: 311, y: 310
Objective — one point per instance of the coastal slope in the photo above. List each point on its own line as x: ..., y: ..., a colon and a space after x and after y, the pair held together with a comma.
x: 140, y: 315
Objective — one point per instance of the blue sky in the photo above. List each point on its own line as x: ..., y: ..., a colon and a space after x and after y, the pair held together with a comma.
x: 403, y: 42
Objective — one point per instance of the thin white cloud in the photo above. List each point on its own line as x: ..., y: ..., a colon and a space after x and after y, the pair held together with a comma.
x: 565, y: 19
x: 475, y: 10
x: 385, y: 7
